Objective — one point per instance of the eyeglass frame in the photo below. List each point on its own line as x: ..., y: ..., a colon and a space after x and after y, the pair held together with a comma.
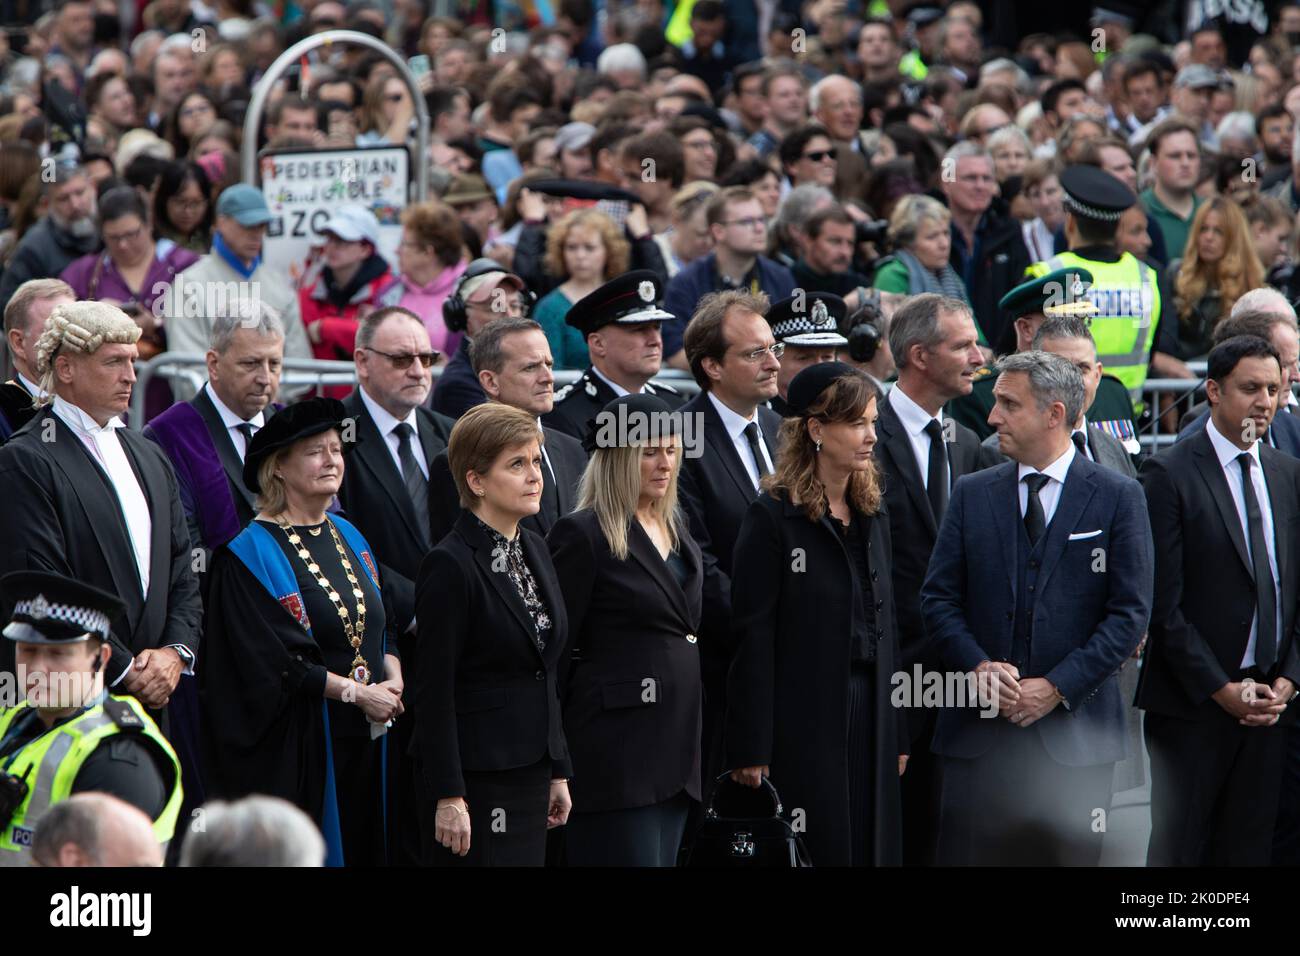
x: 403, y: 362
x: 776, y: 350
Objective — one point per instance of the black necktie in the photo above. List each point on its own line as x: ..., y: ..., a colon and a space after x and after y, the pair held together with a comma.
x: 1265, y: 595
x: 751, y: 436
x: 936, y: 481
x: 550, y: 510
x: 245, y: 429
x: 1035, y: 517
x: 1080, y: 442
x: 417, y: 486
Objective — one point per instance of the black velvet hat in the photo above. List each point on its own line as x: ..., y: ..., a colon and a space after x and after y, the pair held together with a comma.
x: 806, y: 387
x: 300, y: 420
x: 630, y: 420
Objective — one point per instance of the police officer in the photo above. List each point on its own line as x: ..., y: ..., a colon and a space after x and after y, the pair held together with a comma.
x: 1059, y: 293
x: 1126, y: 291
x: 70, y: 735
x: 807, y: 324
x: 620, y: 322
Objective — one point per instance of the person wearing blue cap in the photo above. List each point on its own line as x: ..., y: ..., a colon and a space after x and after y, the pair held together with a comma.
x: 235, y: 267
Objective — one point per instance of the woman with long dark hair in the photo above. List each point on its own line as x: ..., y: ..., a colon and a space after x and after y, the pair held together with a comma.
x: 182, y: 207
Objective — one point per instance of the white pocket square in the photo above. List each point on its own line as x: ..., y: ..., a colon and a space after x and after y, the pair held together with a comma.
x: 1083, y: 535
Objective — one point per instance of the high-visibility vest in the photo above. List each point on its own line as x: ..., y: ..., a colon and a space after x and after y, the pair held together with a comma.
x: 1127, y: 296
x: 50, y: 764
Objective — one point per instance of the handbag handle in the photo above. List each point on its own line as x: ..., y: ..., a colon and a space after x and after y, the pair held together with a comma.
x: 724, y: 782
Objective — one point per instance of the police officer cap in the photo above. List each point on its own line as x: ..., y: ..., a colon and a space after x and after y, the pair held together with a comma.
x: 1063, y: 292
x: 808, y: 319
x: 1095, y: 194
x: 806, y: 387
x: 299, y: 420
x: 631, y: 299
x: 52, y: 609
x: 630, y: 419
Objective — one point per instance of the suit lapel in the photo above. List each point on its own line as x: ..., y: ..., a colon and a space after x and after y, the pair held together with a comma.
x: 1281, y: 496
x: 1207, y: 463
x: 497, y: 576
x: 221, y: 440
x: 374, y: 454
x: 647, y: 555
x: 154, y: 485
x: 898, y: 446
x: 1004, y: 502
x: 429, y: 443
x: 716, y: 433
x: 1079, y: 487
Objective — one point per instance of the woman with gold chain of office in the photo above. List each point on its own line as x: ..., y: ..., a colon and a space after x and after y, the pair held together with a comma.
x: 298, y: 680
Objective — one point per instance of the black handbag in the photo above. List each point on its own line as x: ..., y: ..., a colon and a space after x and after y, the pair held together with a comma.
x: 744, y: 826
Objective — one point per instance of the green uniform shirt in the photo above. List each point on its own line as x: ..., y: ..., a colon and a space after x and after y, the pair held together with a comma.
x: 1172, y: 226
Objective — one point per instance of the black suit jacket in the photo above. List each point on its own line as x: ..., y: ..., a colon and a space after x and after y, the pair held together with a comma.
x: 911, y: 521
x: 374, y: 498
x: 716, y: 491
x: 16, y: 408
x: 63, y: 516
x: 579, y: 402
x: 486, y: 698
x: 457, y: 389
x: 632, y: 694
x: 1205, y: 589
x: 560, y: 497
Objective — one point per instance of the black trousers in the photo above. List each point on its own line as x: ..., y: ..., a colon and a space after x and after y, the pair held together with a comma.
x: 921, y: 789
x: 1214, y: 791
x: 507, y: 817
x: 637, y: 836
x: 1286, y: 833
x: 358, y: 781
x: 1016, y: 806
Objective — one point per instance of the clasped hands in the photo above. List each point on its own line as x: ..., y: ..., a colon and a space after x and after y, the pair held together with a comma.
x: 1255, y: 704
x: 153, y: 676
x: 1021, y: 701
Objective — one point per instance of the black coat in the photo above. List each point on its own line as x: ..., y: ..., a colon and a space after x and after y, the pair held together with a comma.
x: 787, y: 692
x: 632, y: 694
x: 16, y: 408
x: 1204, y: 586
x: 558, y: 498
x: 716, y: 490
x: 457, y: 389
x: 486, y: 698
x: 375, y: 500
x: 1003, y: 259
x: 579, y: 402
x: 62, y: 515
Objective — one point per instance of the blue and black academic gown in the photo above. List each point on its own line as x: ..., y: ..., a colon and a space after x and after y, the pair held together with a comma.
x: 271, y: 636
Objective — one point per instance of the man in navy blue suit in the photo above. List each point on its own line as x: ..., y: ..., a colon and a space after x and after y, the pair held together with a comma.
x: 1040, y: 583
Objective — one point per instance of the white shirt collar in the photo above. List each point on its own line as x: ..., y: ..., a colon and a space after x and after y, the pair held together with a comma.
x: 731, y: 421
x: 78, y: 419
x: 382, y: 419
x: 1226, y: 451
x: 619, y: 390
x: 912, y: 415
x: 1057, y: 470
x: 28, y: 384
x: 229, y: 418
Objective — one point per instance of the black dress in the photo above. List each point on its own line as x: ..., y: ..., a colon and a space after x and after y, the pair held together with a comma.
x: 251, y: 635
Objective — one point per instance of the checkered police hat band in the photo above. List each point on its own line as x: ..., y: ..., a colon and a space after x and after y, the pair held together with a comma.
x: 38, y: 609
x: 1092, y: 212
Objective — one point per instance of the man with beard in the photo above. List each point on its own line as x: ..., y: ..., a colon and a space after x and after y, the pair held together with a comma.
x: 65, y: 233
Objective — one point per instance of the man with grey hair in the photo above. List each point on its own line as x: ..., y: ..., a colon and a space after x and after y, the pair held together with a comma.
x: 206, y: 438
x: 1040, y: 585
x: 95, y: 829
x: 66, y: 232
x: 254, y: 831
x: 988, y: 247
x: 623, y: 63
x: 24, y: 321
x: 922, y: 453
x: 98, y: 502
x: 835, y: 102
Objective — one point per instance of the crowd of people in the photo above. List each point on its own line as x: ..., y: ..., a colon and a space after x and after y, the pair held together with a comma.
x: 860, y: 300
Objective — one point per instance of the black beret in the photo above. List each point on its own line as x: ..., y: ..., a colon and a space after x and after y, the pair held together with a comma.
x: 629, y: 299
x: 806, y: 387
x: 49, y: 608
x: 300, y: 420
x: 631, y: 419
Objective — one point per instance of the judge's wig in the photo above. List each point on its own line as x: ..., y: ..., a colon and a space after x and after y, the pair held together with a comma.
x: 80, y: 327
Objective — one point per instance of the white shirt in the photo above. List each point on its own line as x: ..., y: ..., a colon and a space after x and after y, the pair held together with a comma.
x: 1050, y: 493
x: 735, y: 426
x: 233, y: 421
x: 35, y: 389
x: 914, y: 418
x: 1227, y: 454
x: 106, y: 448
x: 386, y: 424
x: 619, y: 390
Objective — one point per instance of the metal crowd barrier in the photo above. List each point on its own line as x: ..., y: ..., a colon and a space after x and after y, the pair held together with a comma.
x: 312, y: 375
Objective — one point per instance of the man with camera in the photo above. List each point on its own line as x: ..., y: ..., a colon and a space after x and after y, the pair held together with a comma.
x: 827, y: 261
x: 69, y: 735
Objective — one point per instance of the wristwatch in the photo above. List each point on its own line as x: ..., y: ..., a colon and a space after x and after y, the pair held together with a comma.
x: 185, y: 654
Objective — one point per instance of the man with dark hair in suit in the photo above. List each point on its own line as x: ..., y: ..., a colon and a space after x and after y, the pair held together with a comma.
x: 1222, y: 662
x: 921, y: 455
x: 24, y: 318
x: 513, y: 362
x: 735, y: 360
x: 385, y: 493
x: 1039, y: 585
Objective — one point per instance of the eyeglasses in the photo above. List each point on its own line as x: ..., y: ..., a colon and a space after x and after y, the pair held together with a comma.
x: 820, y: 155
x: 776, y: 349
x: 700, y: 144
x: 196, y: 110
x: 123, y: 238
x: 749, y: 222
x: 191, y: 205
x: 404, y: 361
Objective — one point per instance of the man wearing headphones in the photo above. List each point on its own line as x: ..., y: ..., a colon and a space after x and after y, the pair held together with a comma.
x: 69, y: 735
x: 485, y: 292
